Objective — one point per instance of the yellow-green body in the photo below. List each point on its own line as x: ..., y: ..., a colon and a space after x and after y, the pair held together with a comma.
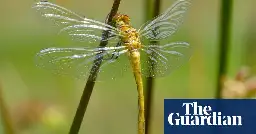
x: 132, y: 42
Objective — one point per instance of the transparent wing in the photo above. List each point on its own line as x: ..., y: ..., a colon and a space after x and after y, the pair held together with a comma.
x: 77, y: 27
x: 78, y: 62
x: 167, y: 23
x: 160, y: 60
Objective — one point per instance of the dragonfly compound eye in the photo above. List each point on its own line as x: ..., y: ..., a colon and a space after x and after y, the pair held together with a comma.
x: 126, y: 19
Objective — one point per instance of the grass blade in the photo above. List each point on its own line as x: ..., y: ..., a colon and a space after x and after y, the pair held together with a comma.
x: 150, y: 80
x: 224, y: 44
x: 91, y: 80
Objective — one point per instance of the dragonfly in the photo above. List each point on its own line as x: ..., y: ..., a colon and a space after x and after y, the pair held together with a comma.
x: 143, y: 48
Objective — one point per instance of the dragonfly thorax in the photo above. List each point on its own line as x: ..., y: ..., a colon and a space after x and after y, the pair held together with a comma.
x: 130, y: 36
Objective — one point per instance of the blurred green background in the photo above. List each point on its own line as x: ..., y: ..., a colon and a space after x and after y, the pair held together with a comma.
x: 113, y: 105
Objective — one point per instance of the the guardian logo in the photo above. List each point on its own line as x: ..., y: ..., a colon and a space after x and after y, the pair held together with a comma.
x: 196, y: 114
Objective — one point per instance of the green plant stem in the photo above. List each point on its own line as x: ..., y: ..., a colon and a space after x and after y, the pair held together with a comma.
x: 148, y: 10
x: 225, y: 24
x: 150, y: 80
x: 92, y: 77
x: 6, y: 118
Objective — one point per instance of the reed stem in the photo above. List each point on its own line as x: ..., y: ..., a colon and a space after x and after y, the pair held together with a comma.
x: 224, y: 44
x: 150, y: 80
x: 81, y: 109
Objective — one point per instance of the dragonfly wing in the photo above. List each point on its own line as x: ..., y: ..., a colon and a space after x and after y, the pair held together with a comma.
x: 77, y: 62
x: 167, y: 23
x: 115, y: 68
x: 77, y: 27
x: 160, y: 60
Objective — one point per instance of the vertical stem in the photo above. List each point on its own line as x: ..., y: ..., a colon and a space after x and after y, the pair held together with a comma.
x: 75, y: 127
x: 148, y: 10
x: 225, y: 23
x: 250, y: 48
x: 6, y: 118
x: 150, y: 80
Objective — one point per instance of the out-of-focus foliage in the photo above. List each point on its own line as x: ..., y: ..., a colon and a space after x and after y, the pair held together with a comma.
x: 242, y: 86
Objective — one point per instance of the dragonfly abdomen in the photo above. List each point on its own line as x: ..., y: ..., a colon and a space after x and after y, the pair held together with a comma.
x: 134, y: 57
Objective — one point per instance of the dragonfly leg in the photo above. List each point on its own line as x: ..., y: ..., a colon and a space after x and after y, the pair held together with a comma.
x: 115, y: 54
x: 106, y: 20
x: 111, y: 35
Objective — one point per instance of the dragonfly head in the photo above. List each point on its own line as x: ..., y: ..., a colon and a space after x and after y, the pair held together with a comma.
x: 121, y: 19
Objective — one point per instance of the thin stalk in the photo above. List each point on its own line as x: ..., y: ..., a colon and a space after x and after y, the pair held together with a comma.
x: 249, y: 46
x: 150, y: 80
x: 92, y: 77
x: 225, y: 24
x: 6, y: 118
x: 148, y: 10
